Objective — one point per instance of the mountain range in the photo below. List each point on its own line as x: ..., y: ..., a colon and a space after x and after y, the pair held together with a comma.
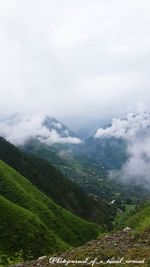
x: 58, y: 191
x: 88, y: 163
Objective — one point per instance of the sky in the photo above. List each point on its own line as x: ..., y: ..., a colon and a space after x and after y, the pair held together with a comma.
x: 80, y: 61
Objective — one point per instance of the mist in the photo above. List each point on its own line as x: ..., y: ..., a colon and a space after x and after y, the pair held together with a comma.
x: 135, y: 129
x: 80, y: 62
x: 20, y: 128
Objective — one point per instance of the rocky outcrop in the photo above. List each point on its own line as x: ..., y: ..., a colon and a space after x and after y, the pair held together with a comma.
x: 124, y: 248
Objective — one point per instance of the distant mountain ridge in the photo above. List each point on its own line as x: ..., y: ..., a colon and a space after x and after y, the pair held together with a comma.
x: 53, y: 124
x: 111, y: 152
x: 39, y: 200
x: 84, y: 162
x: 112, y: 144
x: 20, y: 128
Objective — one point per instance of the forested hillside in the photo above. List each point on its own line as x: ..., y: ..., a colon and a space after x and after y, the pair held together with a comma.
x: 51, y: 181
x: 32, y: 223
x: 92, y: 175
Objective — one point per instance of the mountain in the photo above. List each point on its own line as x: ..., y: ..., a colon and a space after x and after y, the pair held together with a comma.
x: 20, y: 128
x: 138, y: 218
x: 62, y: 190
x: 52, y: 124
x: 111, y: 145
x: 36, y: 181
x: 111, y: 152
x: 91, y: 175
x: 32, y: 223
x: 86, y: 163
x: 129, y: 246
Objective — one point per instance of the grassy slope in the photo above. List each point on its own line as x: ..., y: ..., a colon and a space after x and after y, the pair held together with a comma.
x: 138, y: 218
x: 89, y: 176
x: 22, y: 230
x: 50, y: 181
x: 61, y: 228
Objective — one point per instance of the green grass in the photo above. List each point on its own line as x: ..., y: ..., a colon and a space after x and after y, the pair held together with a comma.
x: 53, y: 183
x: 32, y: 222
x: 22, y: 230
x: 138, y: 218
x: 121, y: 216
x: 83, y: 171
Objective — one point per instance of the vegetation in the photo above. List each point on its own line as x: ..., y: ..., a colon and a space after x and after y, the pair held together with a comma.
x: 32, y: 225
x: 62, y: 190
x: 138, y: 218
x: 91, y: 174
x: 111, y: 152
x: 123, y: 248
x: 32, y: 222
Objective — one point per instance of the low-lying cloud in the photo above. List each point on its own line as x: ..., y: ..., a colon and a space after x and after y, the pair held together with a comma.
x: 135, y: 129
x: 138, y: 166
x: 20, y: 128
x: 129, y: 128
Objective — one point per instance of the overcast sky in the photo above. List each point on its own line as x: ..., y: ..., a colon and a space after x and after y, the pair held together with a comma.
x: 77, y: 60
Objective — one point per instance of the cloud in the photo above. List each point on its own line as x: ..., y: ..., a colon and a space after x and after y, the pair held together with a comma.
x: 20, y: 128
x: 54, y: 137
x: 135, y: 129
x: 130, y: 128
x: 58, y: 125
x: 74, y: 59
x: 137, y: 168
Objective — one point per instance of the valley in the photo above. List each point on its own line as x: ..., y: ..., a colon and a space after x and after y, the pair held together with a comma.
x: 74, y: 133
x: 60, y: 196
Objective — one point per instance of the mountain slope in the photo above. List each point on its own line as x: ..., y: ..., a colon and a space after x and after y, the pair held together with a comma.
x: 91, y: 175
x: 113, y: 144
x: 55, y: 227
x: 23, y: 230
x: 52, y: 124
x: 20, y: 128
x: 138, y: 218
x: 123, y: 248
x: 55, y: 185
x: 111, y: 152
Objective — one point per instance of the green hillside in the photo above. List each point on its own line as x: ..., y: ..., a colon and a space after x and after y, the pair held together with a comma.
x: 91, y: 175
x: 32, y: 222
x: 137, y: 218
x: 23, y: 230
x: 62, y: 190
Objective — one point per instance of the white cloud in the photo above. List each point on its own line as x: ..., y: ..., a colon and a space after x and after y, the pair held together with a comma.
x: 19, y: 129
x: 54, y: 137
x: 135, y: 129
x: 137, y: 168
x: 129, y: 128
x: 74, y: 59
x: 58, y: 125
